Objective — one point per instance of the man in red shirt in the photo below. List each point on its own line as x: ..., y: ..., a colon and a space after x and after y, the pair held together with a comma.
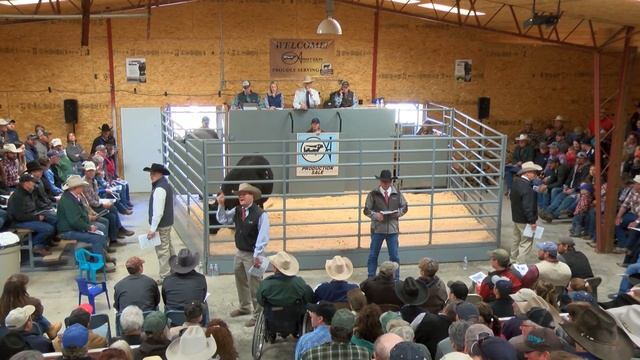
x: 499, y: 260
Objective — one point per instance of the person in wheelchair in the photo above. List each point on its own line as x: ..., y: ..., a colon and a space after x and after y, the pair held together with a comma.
x: 340, y: 346
x: 339, y: 270
x: 284, y: 287
x: 320, y: 315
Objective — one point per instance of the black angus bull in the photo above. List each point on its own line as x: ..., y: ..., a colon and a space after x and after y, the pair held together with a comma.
x: 238, y: 176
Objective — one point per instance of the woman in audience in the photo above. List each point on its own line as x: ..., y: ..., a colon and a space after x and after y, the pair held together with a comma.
x: 356, y: 299
x: 488, y: 318
x: 124, y: 346
x: 224, y: 340
x: 75, y: 152
x: 14, y: 295
x: 274, y: 98
x: 367, y: 328
x: 548, y: 292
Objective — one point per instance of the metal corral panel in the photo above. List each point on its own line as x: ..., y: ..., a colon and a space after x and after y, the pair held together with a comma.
x: 415, y: 175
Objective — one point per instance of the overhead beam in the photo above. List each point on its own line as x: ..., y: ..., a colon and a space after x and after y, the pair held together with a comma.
x: 86, y: 22
x: 70, y: 17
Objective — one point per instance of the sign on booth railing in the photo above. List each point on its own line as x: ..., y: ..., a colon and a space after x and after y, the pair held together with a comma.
x: 317, y: 154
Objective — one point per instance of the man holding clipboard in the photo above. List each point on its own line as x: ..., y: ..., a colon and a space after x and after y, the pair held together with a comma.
x: 385, y: 205
x: 161, y: 215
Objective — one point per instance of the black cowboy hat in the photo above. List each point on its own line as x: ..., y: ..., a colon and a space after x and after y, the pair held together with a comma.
x: 34, y: 166
x: 411, y: 291
x: 157, y: 168
x: 386, y: 175
x: 184, y: 262
x: 105, y: 127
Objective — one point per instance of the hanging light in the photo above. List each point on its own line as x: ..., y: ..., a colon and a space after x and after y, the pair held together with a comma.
x: 329, y: 26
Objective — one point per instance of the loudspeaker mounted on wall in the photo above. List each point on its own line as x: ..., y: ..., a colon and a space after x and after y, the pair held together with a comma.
x: 71, y: 111
x: 484, y: 107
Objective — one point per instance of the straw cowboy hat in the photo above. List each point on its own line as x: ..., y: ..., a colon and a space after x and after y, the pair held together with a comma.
x: 285, y: 263
x: 411, y: 291
x: 11, y: 148
x: 3, y: 122
x: 246, y: 187
x: 339, y: 268
x: 192, y: 345
x: 628, y: 319
x: 597, y: 332
x: 89, y: 165
x: 74, y: 181
x: 184, y: 262
x: 522, y: 137
x: 636, y: 179
x: 559, y: 118
x: 307, y: 79
x: 529, y: 166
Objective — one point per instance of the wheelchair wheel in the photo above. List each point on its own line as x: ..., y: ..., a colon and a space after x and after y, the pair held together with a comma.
x: 306, y: 324
x: 259, y: 337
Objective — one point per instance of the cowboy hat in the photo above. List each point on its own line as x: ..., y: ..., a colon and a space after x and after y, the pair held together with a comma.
x: 105, y: 127
x: 246, y: 187
x: 74, y: 181
x: 339, y: 268
x: 529, y: 166
x: 192, y: 345
x: 3, y: 122
x: 597, y: 332
x: 636, y: 179
x: 285, y: 263
x: 157, y: 168
x: 628, y: 319
x: 522, y: 137
x: 411, y: 291
x: 559, y: 118
x: 88, y: 166
x: 11, y: 148
x: 307, y: 79
x: 386, y: 176
x: 184, y: 262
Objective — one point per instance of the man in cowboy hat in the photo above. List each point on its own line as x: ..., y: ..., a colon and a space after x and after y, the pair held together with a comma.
x: 413, y: 294
x: 185, y: 285
x: 284, y: 287
x: 192, y: 345
x: 339, y: 269
x: 251, y: 238
x: 522, y: 153
x: 246, y: 96
x: 306, y: 97
x: 384, y: 205
x: 524, y: 210
x: 11, y: 165
x: 105, y: 138
x: 558, y: 123
x: 161, y: 215
x: 343, y: 97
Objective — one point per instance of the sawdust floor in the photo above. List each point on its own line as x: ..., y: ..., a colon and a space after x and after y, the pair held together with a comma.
x: 414, y: 226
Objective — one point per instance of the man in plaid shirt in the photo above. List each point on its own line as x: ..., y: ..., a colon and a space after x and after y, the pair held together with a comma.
x: 10, y: 165
x: 628, y: 214
x: 340, y: 347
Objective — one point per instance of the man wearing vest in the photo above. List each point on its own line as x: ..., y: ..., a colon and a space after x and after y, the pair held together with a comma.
x: 343, y: 97
x: 385, y: 205
x: 252, y: 237
x: 161, y: 215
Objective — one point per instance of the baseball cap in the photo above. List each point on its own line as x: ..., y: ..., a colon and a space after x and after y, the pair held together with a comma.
x: 565, y: 240
x: 493, y: 347
x: 458, y: 289
x: 548, y: 246
x: 246, y: 83
x: 324, y: 309
x: 386, y: 317
x: 538, y: 316
x: 581, y: 155
x: 27, y: 177
x: 344, y: 83
x: 86, y: 307
x: 80, y: 316
x: 133, y: 262
x: 75, y: 336
x: 19, y: 316
x: 155, y: 322
x: 315, y: 120
x: 523, y: 295
x: 586, y: 186
x: 504, y: 287
x: 56, y: 142
x: 475, y: 332
x: 388, y: 267
x: 395, y: 323
x: 52, y: 153
x: 540, y: 339
x: 553, y: 145
x: 501, y: 255
x: 407, y: 350
x: 467, y: 311
x: 343, y: 318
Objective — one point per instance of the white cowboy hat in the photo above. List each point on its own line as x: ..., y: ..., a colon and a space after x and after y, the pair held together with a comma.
x: 529, y: 166
x: 89, y: 165
x: 636, y: 179
x: 307, y: 79
x: 11, y: 148
x: 628, y: 319
x: 4, y: 122
x: 522, y: 137
x: 559, y: 118
x: 285, y: 263
x: 339, y: 268
x: 74, y: 181
x: 192, y: 345
x: 56, y: 142
x: 246, y: 187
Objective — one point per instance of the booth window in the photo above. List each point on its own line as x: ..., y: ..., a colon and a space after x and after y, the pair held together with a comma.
x: 409, y: 116
x: 186, y: 118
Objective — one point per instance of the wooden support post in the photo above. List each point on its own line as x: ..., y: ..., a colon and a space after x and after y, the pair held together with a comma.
x: 374, y: 54
x: 86, y: 22
x: 598, y: 164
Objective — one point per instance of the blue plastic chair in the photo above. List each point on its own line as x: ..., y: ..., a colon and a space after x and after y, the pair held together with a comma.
x: 91, y: 289
x: 84, y: 257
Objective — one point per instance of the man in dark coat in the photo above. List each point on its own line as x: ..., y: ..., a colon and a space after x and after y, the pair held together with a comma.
x: 381, y: 288
x: 524, y: 211
x: 577, y: 261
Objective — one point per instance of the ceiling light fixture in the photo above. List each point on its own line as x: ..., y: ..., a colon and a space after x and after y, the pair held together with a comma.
x: 451, y: 9
x: 329, y: 26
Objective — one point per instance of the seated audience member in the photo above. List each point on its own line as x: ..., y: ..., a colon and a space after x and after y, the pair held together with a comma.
x: 380, y: 289
x: 113, y: 354
x: 387, y: 317
x: 105, y: 137
x: 557, y: 176
x: 356, y: 299
x: 412, y: 293
x: 343, y: 97
x: 154, y: 339
x: 274, y: 100
x: 23, y: 355
x: 193, y: 315
x: 341, y: 330
x: 192, y: 345
x: 452, y: 347
x: 246, y: 96
x: 75, y: 151
x: 136, y: 288
x: 540, y: 343
x: 409, y: 350
x: 11, y: 166
x: 14, y: 295
x: 474, y: 333
x: 458, y: 291
x: 487, y: 317
x: 520, y: 300
x: 503, y: 305
x: 224, y: 340
x: 131, y: 322
x: 436, y: 288
x: 184, y: 285
x: 631, y: 297
x: 563, y: 199
x: 284, y: 287
x: 75, y: 343
x: 627, y: 213
x: 63, y: 165
x: 54, y: 159
x: 315, y: 128
x: 73, y: 218
x: 18, y: 321
x: 541, y: 157
x: 12, y: 135
x: 47, y: 179
x: 43, y: 200
x: 367, y: 328
x: 576, y: 260
x: 384, y: 344
x: 30, y: 151
x: 124, y: 347
x: 42, y: 144
x: 81, y: 316
x: 433, y: 328
x: 596, y: 333
x: 581, y: 212
x: 320, y: 315
x: 549, y: 268
x: 339, y: 270
x: 501, y: 264
x: 534, y: 318
x: 493, y: 347
x: 24, y: 212
x: 306, y: 98
x: 547, y: 291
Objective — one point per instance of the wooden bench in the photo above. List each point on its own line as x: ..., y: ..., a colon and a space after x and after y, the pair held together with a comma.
x: 61, y: 257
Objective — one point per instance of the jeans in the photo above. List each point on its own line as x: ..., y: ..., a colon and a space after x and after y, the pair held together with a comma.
x: 124, y: 192
x: 102, y: 224
x: 98, y: 242
x: 374, y: 251
x: 568, y: 204
x: 633, y: 247
x: 114, y: 221
x: 625, y: 285
x: 591, y: 223
x: 41, y: 232
x: 509, y: 170
x: 621, y: 230
x: 578, y: 223
x: 43, y: 323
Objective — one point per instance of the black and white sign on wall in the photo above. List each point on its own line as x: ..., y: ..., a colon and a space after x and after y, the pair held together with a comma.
x: 136, y: 69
